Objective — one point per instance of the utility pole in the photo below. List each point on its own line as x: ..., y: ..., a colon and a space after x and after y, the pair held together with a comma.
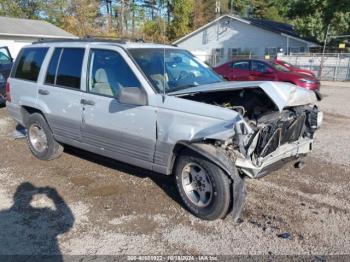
x: 324, y: 50
x: 109, y: 11
x: 133, y: 19
x: 122, y: 17
x: 218, y: 8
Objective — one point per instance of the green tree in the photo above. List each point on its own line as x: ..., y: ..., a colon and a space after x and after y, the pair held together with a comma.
x: 155, y: 30
x: 181, y: 18
x: 312, y: 17
x: 21, y: 8
x: 80, y: 17
x: 266, y: 9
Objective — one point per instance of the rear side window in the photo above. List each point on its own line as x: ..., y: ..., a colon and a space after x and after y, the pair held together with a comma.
x: 242, y: 65
x: 65, y: 67
x: 29, y: 63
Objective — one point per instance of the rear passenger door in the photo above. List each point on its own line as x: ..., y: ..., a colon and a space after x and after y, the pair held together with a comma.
x: 239, y: 71
x: 122, y: 131
x: 59, y: 93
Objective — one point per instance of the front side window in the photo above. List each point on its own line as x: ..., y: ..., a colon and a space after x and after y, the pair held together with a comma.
x: 5, y: 57
x: 172, y: 69
x: 260, y: 67
x: 29, y: 63
x: 108, y: 73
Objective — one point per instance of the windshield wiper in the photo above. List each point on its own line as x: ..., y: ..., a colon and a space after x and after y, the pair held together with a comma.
x: 182, y: 87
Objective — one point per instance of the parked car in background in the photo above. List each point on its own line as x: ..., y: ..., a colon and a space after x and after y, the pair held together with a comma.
x: 262, y: 70
x: 5, y: 68
x: 294, y: 68
x: 160, y: 108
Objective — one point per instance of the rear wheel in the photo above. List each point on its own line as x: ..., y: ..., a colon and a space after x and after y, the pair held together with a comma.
x: 203, y: 186
x: 40, y: 138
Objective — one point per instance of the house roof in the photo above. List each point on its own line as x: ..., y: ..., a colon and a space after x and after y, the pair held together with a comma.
x: 31, y: 28
x: 272, y: 26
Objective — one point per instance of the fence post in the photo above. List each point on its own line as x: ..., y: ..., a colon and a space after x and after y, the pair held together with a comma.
x: 347, y: 77
x: 336, y: 69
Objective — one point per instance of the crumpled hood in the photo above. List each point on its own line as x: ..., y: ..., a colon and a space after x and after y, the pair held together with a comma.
x: 281, y: 93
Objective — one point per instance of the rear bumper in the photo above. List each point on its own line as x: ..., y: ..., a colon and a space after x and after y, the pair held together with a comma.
x: 15, y: 112
x: 284, y: 154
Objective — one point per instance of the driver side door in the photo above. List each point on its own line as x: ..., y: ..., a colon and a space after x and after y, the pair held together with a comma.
x: 5, y: 63
x: 122, y: 131
x: 261, y: 71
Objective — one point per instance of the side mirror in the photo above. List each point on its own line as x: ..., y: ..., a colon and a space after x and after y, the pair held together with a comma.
x: 132, y: 96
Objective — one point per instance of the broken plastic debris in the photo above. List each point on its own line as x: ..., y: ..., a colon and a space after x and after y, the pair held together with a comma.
x: 285, y: 235
x: 19, y: 133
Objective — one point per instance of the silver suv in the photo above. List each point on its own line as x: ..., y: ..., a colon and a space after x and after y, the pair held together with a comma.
x: 160, y: 108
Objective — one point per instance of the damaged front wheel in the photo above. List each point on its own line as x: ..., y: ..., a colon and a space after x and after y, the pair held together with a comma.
x: 203, y: 186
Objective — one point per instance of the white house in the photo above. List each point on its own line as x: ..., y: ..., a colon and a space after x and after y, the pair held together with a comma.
x: 229, y: 35
x: 16, y: 33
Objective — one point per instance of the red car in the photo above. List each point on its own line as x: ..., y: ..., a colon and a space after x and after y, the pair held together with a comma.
x: 262, y: 70
x: 294, y: 68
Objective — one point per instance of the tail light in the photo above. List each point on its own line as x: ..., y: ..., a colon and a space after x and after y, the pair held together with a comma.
x: 8, y: 95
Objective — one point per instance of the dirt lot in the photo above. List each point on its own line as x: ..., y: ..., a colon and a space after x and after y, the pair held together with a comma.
x: 112, y: 208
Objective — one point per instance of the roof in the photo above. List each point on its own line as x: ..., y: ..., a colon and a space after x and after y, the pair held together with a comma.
x: 272, y: 26
x: 31, y: 28
x: 277, y: 27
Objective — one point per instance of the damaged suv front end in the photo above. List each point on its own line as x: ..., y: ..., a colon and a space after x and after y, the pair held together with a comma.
x: 246, y: 129
x: 277, y: 124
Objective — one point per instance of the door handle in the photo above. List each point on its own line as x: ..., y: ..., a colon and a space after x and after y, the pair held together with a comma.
x: 87, y: 102
x: 43, y: 92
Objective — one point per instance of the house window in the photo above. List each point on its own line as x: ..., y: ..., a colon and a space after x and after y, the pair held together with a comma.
x: 205, y: 37
x: 294, y: 50
x: 271, y: 51
x: 234, y: 51
x: 219, y: 52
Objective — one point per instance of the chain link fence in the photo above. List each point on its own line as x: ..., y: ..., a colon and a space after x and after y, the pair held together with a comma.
x: 336, y: 66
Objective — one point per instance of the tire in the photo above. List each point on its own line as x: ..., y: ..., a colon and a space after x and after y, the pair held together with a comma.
x: 40, y: 138
x: 193, y: 190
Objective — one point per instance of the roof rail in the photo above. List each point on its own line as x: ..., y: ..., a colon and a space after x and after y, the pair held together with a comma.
x: 87, y: 39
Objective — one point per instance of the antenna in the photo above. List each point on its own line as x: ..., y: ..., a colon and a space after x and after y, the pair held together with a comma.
x: 218, y: 8
x: 164, y: 79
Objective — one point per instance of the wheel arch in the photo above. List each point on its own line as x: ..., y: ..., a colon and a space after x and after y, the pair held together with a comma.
x: 27, y: 111
x: 207, y: 150
x: 219, y: 158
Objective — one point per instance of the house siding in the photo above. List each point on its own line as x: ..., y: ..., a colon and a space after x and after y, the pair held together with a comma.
x: 16, y: 43
x: 230, y: 33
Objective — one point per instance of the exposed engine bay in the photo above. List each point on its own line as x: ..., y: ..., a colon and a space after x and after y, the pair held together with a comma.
x: 271, y: 128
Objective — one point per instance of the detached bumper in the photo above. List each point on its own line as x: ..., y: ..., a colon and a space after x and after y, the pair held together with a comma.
x: 284, y: 154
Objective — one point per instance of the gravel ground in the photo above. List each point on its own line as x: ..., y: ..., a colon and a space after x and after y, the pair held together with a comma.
x: 84, y: 204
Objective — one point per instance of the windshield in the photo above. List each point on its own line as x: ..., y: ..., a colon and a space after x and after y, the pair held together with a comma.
x: 172, y: 69
x: 286, y: 64
x: 281, y: 68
